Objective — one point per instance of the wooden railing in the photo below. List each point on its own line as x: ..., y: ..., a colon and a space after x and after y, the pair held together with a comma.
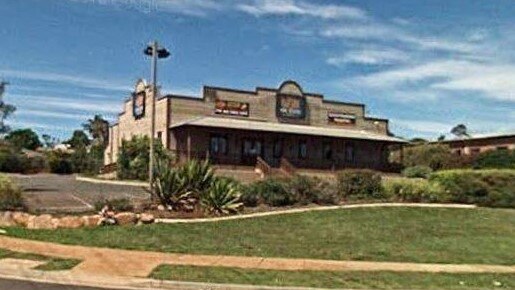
x: 288, y: 168
x: 263, y: 168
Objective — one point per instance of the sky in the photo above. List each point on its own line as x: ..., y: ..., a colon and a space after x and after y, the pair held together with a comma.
x: 426, y: 65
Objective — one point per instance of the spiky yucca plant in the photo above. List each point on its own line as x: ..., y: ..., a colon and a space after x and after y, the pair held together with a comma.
x: 198, y: 176
x: 169, y: 185
x: 222, y: 197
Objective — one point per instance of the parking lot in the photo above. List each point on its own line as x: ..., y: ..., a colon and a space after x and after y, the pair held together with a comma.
x: 63, y: 193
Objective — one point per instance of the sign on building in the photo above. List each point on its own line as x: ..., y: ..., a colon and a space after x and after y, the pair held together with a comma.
x: 232, y: 108
x: 138, y: 104
x: 341, y: 118
x: 292, y: 107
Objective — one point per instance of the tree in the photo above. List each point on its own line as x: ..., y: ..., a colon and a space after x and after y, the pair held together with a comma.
x: 5, y: 110
x: 79, y: 139
x: 24, y: 138
x: 460, y: 131
x: 418, y: 140
x: 441, y: 138
x: 98, y: 128
x: 49, y: 141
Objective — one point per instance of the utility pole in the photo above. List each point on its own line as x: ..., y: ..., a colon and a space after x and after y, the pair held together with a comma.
x: 155, y: 52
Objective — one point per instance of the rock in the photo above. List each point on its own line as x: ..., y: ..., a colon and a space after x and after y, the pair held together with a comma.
x: 146, y: 218
x: 70, y: 222
x: 125, y: 218
x: 6, y: 219
x: 161, y: 207
x: 44, y: 221
x: 21, y: 218
x: 91, y: 220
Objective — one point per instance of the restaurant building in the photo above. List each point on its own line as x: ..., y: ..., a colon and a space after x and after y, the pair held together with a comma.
x: 274, y: 127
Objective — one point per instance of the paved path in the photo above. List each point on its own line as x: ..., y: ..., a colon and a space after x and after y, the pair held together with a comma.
x: 64, y: 193
x: 125, y: 263
x: 32, y: 285
x: 313, y: 208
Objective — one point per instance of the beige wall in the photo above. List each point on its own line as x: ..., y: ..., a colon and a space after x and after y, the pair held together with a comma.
x: 262, y: 106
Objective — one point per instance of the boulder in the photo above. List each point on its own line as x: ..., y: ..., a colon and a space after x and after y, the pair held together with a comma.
x: 70, y: 222
x: 6, y: 219
x: 161, y: 207
x: 21, y: 218
x: 146, y: 218
x: 44, y: 221
x: 125, y: 218
x: 91, y: 220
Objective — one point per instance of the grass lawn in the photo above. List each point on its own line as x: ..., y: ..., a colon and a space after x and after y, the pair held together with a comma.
x: 52, y: 264
x: 327, y: 279
x: 377, y: 234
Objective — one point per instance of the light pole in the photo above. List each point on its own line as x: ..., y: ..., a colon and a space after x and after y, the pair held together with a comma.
x: 155, y: 52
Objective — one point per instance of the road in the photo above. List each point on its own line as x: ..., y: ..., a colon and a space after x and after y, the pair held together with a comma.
x: 63, y: 193
x: 27, y: 285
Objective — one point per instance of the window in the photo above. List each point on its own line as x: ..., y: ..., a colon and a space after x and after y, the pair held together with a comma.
x: 218, y: 145
x: 349, y: 152
x: 252, y: 147
x: 327, y: 150
x: 278, y: 149
x: 303, y: 150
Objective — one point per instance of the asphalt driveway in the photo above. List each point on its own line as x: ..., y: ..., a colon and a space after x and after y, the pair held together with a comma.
x: 63, y: 193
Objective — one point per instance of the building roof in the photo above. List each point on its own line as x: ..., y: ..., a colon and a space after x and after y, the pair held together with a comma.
x: 479, y: 137
x: 220, y: 122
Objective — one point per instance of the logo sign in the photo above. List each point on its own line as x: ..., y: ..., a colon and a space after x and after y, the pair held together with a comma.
x: 138, y: 104
x: 291, y: 107
x: 341, y: 118
x: 231, y: 108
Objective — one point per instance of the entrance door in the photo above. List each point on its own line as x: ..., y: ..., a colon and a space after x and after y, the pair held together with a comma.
x: 252, y: 148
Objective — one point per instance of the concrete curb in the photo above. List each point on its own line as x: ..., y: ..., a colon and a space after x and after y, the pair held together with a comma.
x: 309, y: 209
x: 126, y: 283
x: 113, y: 182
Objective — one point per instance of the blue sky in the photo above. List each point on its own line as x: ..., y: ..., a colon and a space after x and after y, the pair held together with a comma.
x: 425, y: 65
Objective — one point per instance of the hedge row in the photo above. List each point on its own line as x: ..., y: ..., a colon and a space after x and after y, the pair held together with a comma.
x: 494, y: 188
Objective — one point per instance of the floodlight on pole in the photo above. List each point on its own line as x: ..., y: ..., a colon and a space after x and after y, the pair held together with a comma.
x: 154, y: 51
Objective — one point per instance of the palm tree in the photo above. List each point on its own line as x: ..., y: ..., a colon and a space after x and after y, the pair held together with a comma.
x: 98, y: 128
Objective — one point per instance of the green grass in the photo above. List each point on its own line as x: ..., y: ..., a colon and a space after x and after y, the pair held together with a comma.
x: 433, y: 235
x: 52, y: 264
x: 329, y: 279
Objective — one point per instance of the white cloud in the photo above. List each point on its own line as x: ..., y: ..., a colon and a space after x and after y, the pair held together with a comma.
x: 186, y: 7
x: 493, y: 80
x: 422, y: 126
x: 374, y: 56
x: 85, y: 82
x: 84, y: 105
x: 292, y: 7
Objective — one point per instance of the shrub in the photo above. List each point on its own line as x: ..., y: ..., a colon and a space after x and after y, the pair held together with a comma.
x: 411, y: 190
x: 359, y: 184
x: 118, y: 204
x: 222, y: 197
x: 274, y: 192
x: 197, y: 176
x: 304, y: 188
x: 484, y: 187
x: 10, y: 195
x: 251, y: 194
x: 418, y: 171
x: 13, y: 162
x: 133, y: 158
x: 495, y: 159
x: 435, y: 156
x: 326, y: 193
x: 169, y: 185
x: 59, y: 162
